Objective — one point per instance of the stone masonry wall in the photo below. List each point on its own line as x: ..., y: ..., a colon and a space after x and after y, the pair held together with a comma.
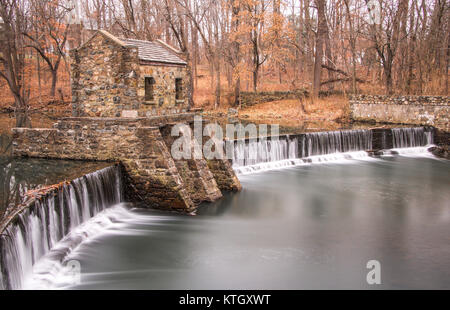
x: 164, y: 89
x: 108, y: 78
x: 153, y: 176
x: 417, y: 110
x: 104, y: 78
x: 147, y: 161
x: 199, y: 180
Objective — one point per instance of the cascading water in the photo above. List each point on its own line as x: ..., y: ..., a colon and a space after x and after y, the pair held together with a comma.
x: 411, y: 142
x: 264, y: 150
x: 265, y: 154
x: 412, y: 137
x: 37, y: 229
x: 323, y: 143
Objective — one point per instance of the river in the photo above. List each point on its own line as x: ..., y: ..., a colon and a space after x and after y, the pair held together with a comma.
x: 313, y: 226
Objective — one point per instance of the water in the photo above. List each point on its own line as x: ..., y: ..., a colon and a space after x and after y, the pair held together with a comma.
x: 18, y: 176
x: 314, y: 225
x: 259, y: 151
x: 306, y: 227
x: 258, y: 155
x: 265, y: 154
x: 412, y: 137
x: 38, y: 228
x: 322, y: 143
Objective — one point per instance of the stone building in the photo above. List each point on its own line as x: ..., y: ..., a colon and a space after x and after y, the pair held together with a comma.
x: 114, y: 77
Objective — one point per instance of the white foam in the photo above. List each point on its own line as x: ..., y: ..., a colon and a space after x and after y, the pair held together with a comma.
x: 52, y: 270
x: 420, y: 151
x: 347, y: 157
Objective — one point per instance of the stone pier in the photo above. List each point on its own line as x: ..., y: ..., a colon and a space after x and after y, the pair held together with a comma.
x: 143, y: 147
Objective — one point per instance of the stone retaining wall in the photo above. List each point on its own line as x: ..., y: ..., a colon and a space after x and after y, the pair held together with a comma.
x: 154, y: 177
x: 416, y: 110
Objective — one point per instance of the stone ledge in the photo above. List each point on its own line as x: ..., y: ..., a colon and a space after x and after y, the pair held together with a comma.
x: 412, y: 110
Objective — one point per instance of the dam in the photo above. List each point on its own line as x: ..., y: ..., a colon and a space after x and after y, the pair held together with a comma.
x: 84, y: 219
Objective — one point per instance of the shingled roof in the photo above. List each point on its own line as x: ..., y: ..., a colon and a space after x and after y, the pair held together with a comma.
x: 156, y: 51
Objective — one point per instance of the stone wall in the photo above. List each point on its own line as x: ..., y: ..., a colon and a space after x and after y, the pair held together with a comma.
x: 104, y: 78
x: 108, y: 77
x: 153, y: 176
x: 164, y: 89
x: 198, y: 179
x: 147, y: 161
x: 416, y: 110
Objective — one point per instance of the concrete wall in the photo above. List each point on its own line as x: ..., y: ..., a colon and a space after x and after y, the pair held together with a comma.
x: 417, y: 110
x: 154, y: 178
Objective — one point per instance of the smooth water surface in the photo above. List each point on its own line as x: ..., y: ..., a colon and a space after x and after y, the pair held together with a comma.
x: 305, y: 227
x: 19, y: 175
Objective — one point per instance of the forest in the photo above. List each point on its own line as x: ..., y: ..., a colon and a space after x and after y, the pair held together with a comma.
x: 231, y: 46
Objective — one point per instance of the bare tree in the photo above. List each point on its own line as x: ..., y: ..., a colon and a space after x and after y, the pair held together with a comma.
x: 12, y: 56
x: 386, y: 37
x: 320, y: 40
x: 176, y: 19
x: 48, y: 35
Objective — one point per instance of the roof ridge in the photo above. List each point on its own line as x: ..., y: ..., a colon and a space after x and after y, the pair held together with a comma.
x: 128, y: 39
x: 170, y: 47
x: 105, y: 34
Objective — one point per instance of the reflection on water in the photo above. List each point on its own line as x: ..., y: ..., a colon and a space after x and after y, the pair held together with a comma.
x: 311, y: 226
x: 17, y: 176
x: 5, y: 144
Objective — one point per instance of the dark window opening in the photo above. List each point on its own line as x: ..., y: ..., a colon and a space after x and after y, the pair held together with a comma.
x: 178, y: 89
x: 149, y: 89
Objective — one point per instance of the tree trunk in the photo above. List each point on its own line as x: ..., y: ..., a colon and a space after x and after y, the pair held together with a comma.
x: 217, y: 102
x: 237, y: 92
x: 388, y: 77
x: 255, y: 60
x: 21, y: 112
x: 54, y: 81
x: 353, y: 47
x: 321, y: 32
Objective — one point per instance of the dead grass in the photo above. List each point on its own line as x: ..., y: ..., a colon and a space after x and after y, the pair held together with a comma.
x: 333, y: 108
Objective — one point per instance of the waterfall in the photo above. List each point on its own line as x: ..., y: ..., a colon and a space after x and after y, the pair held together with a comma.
x: 323, y: 143
x: 256, y: 151
x: 38, y: 228
x: 265, y: 154
x: 411, y: 137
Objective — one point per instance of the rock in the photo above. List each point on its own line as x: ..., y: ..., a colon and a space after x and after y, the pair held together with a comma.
x: 440, y: 151
x: 232, y: 112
